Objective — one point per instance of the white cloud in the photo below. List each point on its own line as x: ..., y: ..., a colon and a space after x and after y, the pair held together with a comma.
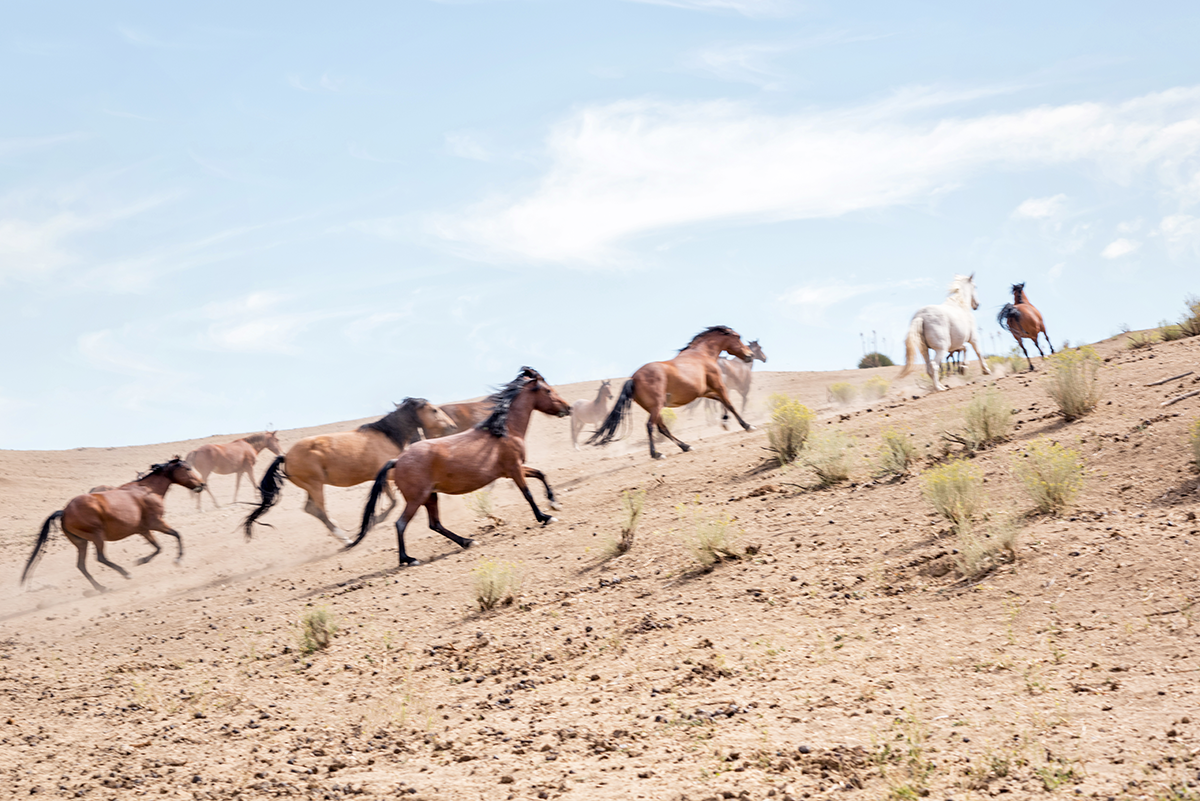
x: 253, y: 323
x: 1181, y: 231
x: 1040, y: 208
x: 750, y: 8
x: 622, y: 170
x: 1056, y: 271
x: 812, y: 300
x: 1129, y: 226
x: 1120, y: 247
x: 746, y: 63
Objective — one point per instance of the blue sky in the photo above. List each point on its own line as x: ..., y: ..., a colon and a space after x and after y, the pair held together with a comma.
x: 214, y: 219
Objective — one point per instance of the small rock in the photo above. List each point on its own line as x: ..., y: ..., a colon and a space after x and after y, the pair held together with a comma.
x: 507, y: 779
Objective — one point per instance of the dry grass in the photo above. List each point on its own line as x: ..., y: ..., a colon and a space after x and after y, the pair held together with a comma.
x: 1145, y: 339
x: 1051, y: 474
x: 828, y: 454
x: 875, y: 387
x: 1189, y: 325
x: 955, y: 490
x: 788, y: 428
x: 709, y: 539
x: 987, y: 420
x: 480, y: 504
x: 1074, y: 381
x: 632, y: 503
x: 981, y: 551
x: 1194, y: 441
x: 317, y: 630
x: 496, y: 583
x: 896, y: 453
x: 842, y: 393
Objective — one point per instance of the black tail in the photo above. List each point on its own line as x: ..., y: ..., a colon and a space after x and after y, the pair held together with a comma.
x: 368, y: 518
x: 41, y: 543
x: 608, y: 430
x: 272, y: 482
x: 1008, y: 314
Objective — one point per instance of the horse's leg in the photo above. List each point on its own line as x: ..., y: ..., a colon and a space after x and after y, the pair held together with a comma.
x: 100, y: 557
x: 178, y: 542
x: 410, y: 509
x: 316, y: 507
x: 533, y: 472
x: 518, y: 476
x: 237, y: 484
x: 723, y: 397
x: 662, y: 427
x: 1048, y: 342
x: 391, y: 496
x: 576, y: 424
x: 1021, y: 345
x: 939, y: 357
x: 208, y: 489
x: 81, y: 545
x: 150, y: 538
x: 435, y: 523
x: 654, y: 454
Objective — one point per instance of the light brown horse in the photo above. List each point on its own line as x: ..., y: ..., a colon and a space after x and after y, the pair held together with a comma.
x: 347, y: 458
x: 468, y: 414
x: 237, y: 457
x: 469, y: 460
x: 694, y: 373
x: 590, y: 412
x: 1023, y: 321
x: 133, y: 508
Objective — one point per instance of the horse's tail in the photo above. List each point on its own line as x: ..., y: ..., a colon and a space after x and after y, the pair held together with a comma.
x: 607, y: 431
x: 912, y: 345
x: 1008, y: 315
x: 269, y: 487
x: 368, y: 518
x: 43, y: 536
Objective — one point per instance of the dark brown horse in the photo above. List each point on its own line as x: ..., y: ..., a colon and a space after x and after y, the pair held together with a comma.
x: 237, y: 457
x: 469, y: 460
x: 347, y: 458
x: 694, y: 373
x: 1023, y: 321
x: 133, y: 508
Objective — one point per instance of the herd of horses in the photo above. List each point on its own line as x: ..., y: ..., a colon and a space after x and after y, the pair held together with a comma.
x: 423, y: 450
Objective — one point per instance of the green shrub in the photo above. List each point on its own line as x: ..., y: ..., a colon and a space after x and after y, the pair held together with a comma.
x: 955, y: 490
x: 828, y: 455
x: 496, y: 583
x: 981, y: 551
x: 1074, y: 381
x: 1051, y: 474
x: 876, y: 387
x: 874, y: 360
x: 896, y: 453
x: 788, y: 428
x: 842, y: 393
x: 1169, y: 332
x: 709, y: 539
x: 317, y: 630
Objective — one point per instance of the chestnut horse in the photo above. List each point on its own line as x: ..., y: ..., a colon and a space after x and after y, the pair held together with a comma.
x: 133, y: 508
x: 1023, y: 321
x: 694, y: 373
x: 347, y: 458
x: 238, y: 457
x: 590, y: 412
x: 469, y: 460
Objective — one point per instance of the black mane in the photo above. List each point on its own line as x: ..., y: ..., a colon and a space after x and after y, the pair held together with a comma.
x: 401, y: 426
x: 502, y: 399
x: 712, y: 329
x: 161, y: 467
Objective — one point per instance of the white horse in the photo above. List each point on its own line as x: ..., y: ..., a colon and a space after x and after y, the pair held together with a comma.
x: 585, y: 412
x: 944, y: 328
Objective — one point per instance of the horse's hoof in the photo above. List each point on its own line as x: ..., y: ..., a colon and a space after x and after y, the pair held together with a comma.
x: 750, y: 428
x: 657, y: 456
x: 549, y: 520
x: 555, y: 505
x: 467, y: 543
x: 410, y: 562
x: 143, y: 560
x: 685, y: 448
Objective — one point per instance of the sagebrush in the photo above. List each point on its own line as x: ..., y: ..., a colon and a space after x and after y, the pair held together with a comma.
x: 954, y: 490
x: 1051, y: 474
x: 1189, y: 324
x: 875, y: 387
x: 496, y: 583
x: 1074, y: 381
x: 317, y: 630
x: 896, y: 453
x: 987, y: 420
x: 828, y: 454
x: 789, y: 427
x: 980, y: 550
x: 842, y: 392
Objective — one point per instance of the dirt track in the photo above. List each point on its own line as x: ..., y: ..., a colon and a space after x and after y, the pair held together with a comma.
x: 843, y: 658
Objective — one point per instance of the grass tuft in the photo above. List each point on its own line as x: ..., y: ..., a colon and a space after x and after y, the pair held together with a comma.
x: 828, y: 454
x: 1189, y: 325
x: 317, y: 630
x: 709, y: 539
x: 788, y: 428
x: 896, y: 453
x: 496, y: 583
x: 1137, y: 341
x: 987, y: 420
x: 1074, y: 381
x: 875, y: 387
x: 632, y: 502
x: 480, y: 504
x: 1194, y: 441
x: 1051, y: 474
x: 842, y: 393
x: 955, y: 490
x: 980, y: 552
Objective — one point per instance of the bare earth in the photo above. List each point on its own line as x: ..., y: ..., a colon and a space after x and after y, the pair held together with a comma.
x: 843, y: 658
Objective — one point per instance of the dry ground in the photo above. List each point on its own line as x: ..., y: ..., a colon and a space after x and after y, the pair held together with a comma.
x: 842, y: 658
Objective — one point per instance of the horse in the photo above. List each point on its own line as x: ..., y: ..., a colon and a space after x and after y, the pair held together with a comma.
x: 737, y: 375
x: 133, y: 508
x: 944, y: 327
x: 585, y: 412
x: 468, y: 414
x: 1023, y: 321
x: 235, y: 457
x: 347, y: 458
x: 956, y: 362
x: 469, y: 460
x: 694, y: 373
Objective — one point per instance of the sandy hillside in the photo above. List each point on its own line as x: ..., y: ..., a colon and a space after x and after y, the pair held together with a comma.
x: 840, y: 656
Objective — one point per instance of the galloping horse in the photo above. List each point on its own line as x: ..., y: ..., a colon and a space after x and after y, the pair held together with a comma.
x: 944, y: 327
x: 235, y: 457
x: 694, y: 373
x: 468, y: 414
x: 469, y: 460
x: 133, y: 508
x: 348, y: 458
x: 585, y: 412
x: 1023, y: 321
x: 737, y: 375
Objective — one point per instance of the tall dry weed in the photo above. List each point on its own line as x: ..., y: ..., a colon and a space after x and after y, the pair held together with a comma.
x: 1074, y: 381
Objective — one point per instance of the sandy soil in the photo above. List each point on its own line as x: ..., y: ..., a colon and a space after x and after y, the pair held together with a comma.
x: 842, y: 656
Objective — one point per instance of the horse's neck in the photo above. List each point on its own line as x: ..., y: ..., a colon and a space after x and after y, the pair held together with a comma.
x: 958, y: 299
x: 156, y: 483
x: 520, y: 413
x: 256, y: 441
x: 707, y: 349
x: 598, y: 402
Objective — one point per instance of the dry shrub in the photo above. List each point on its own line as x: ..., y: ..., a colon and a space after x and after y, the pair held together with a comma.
x: 1169, y: 332
x: 632, y: 502
x: 317, y: 630
x: 981, y: 551
x: 496, y: 583
x: 896, y: 453
x: 955, y: 490
x: 1145, y: 339
x: 709, y: 539
x: 842, y: 393
x: 1194, y: 441
x: 480, y: 504
x: 1189, y: 325
x: 828, y: 455
x: 789, y: 427
x: 1051, y: 474
x: 1074, y: 381
x: 875, y: 387
x: 986, y: 421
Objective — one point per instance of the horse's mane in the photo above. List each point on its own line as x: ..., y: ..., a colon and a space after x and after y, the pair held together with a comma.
x: 401, y: 425
x: 712, y: 329
x: 161, y: 467
x: 254, y: 439
x: 1018, y: 291
x: 502, y: 399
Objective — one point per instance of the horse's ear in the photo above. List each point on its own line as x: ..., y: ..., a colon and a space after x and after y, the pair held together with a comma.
x: 972, y: 277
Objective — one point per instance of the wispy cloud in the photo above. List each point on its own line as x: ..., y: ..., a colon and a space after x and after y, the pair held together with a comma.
x: 812, y: 300
x: 744, y: 63
x: 1040, y: 208
x: 750, y: 8
x: 256, y: 323
x: 623, y: 170
x: 1120, y: 247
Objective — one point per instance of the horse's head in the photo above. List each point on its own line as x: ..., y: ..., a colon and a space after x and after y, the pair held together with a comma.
x: 1018, y: 291
x: 271, y: 442
x: 181, y: 473
x: 606, y: 392
x: 435, y: 422
x: 757, y: 352
x: 546, y: 398
x: 732, y: 344
x: 963, y: 287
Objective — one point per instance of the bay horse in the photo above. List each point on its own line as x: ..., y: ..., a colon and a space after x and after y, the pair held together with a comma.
x: 469, y: 460
x: 944, y: 327
x: 737, y: 375
x: 347, y: 458
x: 237, y: 457
x: 1023, y: 321
x: 114, y: 514
x: 693, y: 373
x: 590, y: 412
